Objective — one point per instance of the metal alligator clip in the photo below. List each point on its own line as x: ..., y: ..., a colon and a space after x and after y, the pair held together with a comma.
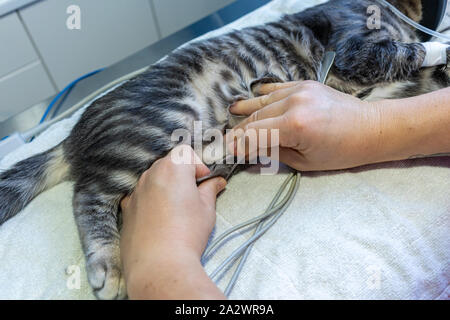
x: 221, y: 169
x: 327, y: 63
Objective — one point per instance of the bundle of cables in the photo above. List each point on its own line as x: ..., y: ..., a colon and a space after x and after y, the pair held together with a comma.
x: 64, y: 94
x: 262, y: 223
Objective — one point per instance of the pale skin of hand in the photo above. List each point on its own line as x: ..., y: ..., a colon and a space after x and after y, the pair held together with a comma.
x: 320, y: 129
x: 323, y: 129
x: 166, y: 224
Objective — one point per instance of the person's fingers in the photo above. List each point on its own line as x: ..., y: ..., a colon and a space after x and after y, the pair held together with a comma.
x: 210, y: 189
x: 271, y: 87
x: 247, y: 107
x: 273, y: 110
x: 262, y: 134
x: 201, y: 170
x: 187, y: 161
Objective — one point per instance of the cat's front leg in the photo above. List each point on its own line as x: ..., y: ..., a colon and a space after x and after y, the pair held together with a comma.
x: 96, y: 219
x: 367, y: 62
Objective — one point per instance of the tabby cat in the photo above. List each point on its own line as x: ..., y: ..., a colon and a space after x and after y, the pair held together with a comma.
x: 122, y: 133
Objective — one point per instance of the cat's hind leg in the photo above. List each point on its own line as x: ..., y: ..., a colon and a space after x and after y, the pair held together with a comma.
x: 96, y: 216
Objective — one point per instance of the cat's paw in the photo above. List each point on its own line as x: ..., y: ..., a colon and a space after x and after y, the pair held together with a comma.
x: 105, y: 274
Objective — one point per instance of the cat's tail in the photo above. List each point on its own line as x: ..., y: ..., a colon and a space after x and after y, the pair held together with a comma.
x: 26, y: 179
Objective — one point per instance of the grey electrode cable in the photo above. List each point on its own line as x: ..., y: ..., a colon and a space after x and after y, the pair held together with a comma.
x: 258, y: 228
x: 265, y: 215
x: 239, y: 251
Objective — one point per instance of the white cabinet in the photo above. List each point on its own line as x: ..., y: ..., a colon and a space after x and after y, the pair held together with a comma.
x: 21, y: 89
x: 173, y: 15
x: 16, y: 49
x: 40, y: 55
x: 110, y: 31
x: 23, y: 80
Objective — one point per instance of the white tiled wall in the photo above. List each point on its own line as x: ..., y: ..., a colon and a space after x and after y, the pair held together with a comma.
x: 23, y: 79
x: 173, y: 15
x: 39, y: 55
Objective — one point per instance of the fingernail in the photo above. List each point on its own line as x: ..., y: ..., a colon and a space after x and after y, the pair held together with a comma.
x: 221, y: 184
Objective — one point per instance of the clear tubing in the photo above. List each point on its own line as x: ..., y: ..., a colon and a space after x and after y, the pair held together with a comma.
x: 415, y: 24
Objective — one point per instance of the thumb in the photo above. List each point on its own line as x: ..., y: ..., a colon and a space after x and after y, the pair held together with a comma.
x: 210, y: 189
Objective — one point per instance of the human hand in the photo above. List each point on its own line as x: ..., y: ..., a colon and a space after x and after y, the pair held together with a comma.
x: 167, y: 221
x: 319, y: 128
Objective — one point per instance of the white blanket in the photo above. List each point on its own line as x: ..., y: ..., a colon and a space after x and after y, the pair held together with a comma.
x: 379, y: 232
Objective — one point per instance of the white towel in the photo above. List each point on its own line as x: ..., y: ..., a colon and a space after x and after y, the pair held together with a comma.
x: 378, y: 232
